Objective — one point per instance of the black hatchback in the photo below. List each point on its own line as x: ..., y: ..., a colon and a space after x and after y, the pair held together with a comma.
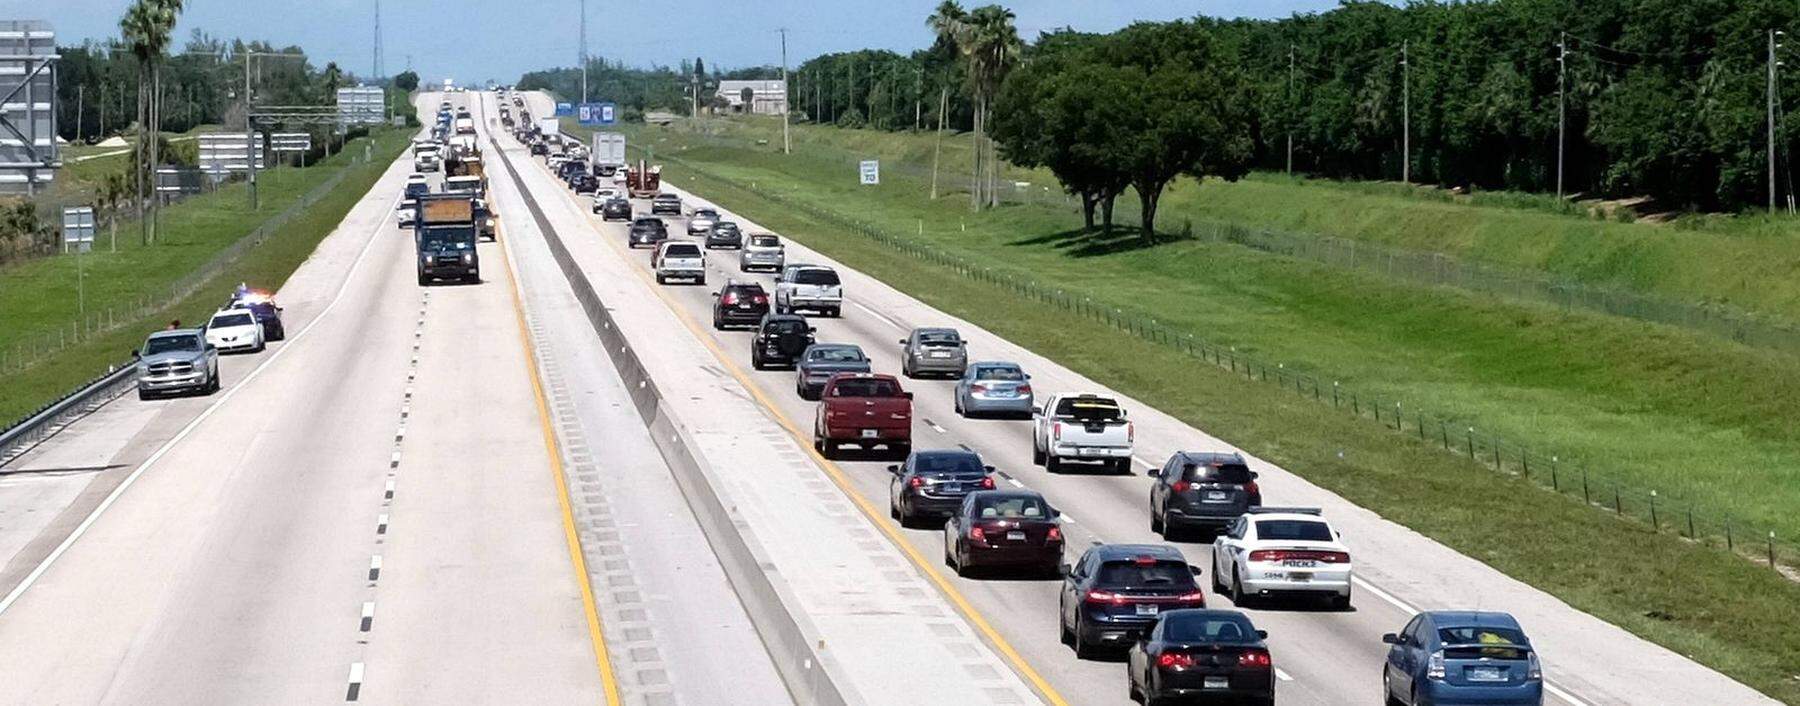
x: 616, y: 209
x: 1203, y: 655
x: 739, y: 304
x: 1201, y: 490
x: 1114, y: 593
x: 779, y: 341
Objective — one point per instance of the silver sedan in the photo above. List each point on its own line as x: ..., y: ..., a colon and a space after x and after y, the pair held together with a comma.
x: 993, y: 387
x: 933, y: 350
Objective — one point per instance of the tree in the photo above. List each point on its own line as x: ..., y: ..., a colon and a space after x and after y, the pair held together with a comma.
x: 1059, y: 111
x: 748, y: 96
x: 333, y: 77
x: 407, y: 80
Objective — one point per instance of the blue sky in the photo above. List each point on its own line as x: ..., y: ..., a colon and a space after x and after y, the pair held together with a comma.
x: 473, y: 40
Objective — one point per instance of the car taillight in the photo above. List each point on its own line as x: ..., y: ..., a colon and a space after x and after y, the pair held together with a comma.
x: 1533, y: 669
x: 1104, y: 597
x: 917, y: 482
x: 1023, y: 389
x: 1131, y: 432
x: 1434, y: 665
x: 1254, y: 492
x: 978, y: 388
x: 761, y: 299
x: 1056, y: 431
x: 1196, y: 597
x: 1175, y: 660
x: 987, y: 483
x: 1180, y: 486
x: 1333, y: 557
x: 1254, y: 659
x: 1054, y: 535
x: 728, y: 299
x: 1268, y: 555
x: 977, y: 534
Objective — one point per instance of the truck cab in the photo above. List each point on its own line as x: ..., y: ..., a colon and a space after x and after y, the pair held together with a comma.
x: 866, y: 410
x: 445, y: 239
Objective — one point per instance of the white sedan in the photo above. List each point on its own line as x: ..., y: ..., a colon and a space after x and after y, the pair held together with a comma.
x: 234, y: 329
x: 1281, y: 551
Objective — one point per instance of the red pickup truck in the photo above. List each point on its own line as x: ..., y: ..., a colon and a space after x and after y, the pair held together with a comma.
x: 863, y: 409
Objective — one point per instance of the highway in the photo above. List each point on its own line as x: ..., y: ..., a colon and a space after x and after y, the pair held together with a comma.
x: 1324, y: 657
x: 370, y: 511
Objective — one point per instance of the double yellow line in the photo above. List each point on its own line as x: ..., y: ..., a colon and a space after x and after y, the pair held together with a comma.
x: 609, y: 682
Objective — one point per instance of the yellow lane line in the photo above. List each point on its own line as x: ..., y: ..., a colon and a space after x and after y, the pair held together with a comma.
x: 843, y: 482
x: 603, y: 659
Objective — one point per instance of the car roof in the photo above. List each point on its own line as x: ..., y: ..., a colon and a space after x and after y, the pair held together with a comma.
x: 769, y: 318
x: 1210, y: 457
x: 1467, y: 618
x: 666, y: 196
x: 176, y: 333
x: 995, y: 364
x: 831, y: 346
x: 1118, y: 552
x: 747, y: 283
x: 223, y: 312
x: 1007, y: 494
x: 937, y: 329
x: 937, y: 453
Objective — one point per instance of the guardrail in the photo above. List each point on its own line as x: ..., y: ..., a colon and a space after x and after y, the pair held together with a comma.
x: 812, y: 676
x: 1559, y: 474
x: 56, y: 416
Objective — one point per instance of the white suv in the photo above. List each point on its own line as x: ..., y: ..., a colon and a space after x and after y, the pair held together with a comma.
x: 1273, y: 551
x: 679, y: 260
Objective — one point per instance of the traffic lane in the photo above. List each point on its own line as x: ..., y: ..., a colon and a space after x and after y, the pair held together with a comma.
x: 1025, y: 609
x: 665, y: 554
x: 236, y: 547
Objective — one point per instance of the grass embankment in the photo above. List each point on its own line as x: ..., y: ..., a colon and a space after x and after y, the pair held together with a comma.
x: 39, y: 295
x: 1661, y: 408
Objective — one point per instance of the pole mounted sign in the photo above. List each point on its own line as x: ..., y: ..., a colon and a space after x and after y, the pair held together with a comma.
x: 78, y: 228
x: 597, y: 114
x: 871, y: 172
x: 565, y: 109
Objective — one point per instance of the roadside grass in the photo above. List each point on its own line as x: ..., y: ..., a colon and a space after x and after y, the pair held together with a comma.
x: 39, y: 295
x: 1699, y: 601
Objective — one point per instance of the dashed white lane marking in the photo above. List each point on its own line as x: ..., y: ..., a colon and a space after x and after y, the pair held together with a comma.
x: 381, y: 523
x: 1147, y: 464
x: 356, y: 680
x: 1015, y: 482
x: 368, y: 616
x: 1282, y: 675
x: 130, y: 480
x: 394, y: 461
x: 387, y: 492
x: 935, y: 427
x: 1066, y: 518
x: 374, y: 567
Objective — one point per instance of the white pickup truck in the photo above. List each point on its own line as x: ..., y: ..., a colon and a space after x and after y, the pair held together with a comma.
x: 1084, y: 427
x: 679, y: 260
x: 809, y: 287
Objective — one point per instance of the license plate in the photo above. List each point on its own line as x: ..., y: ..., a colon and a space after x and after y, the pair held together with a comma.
x: 936, y: 354
x: 1148, y: 609
x: 871, y: 433
x: 1090, y: 452
x: 1215, y: 496
x: 1216, y: 682
x: 1299, y: 576
x: 1015, y: 536
x: 1486, y: 674
x: 949, y: 487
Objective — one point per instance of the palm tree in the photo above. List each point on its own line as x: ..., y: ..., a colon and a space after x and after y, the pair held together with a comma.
x: 947, y: 22
x: 147, y: 26
x: 114, y: 189
x: 334, y: 77
x: 991, y: 46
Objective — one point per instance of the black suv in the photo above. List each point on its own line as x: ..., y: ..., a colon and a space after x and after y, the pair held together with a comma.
x: 1113, y: 595
x: 647, y: 231
x: 539, y: 149
x: 725, y: 234
x: 616, y: 209
x: 1201, y: 490
x: 780, y: 338
x: 584, y: 183
x: 739, y: 304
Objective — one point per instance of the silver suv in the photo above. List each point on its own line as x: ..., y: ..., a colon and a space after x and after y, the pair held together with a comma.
x: 763, y: 250
x: 938, y: 351
x: 178, y: 360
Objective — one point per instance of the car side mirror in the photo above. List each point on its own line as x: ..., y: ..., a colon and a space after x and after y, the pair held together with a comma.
x: 1055, y: 513
x: 1254, y: 475
x: 894, y: 469
x: 1063, y: 569
x: 1028, y: 376
x: 134, y: 353
x: 1037, y: 410
x: 812, y: 329
x: 989, y: 469
x: 1152, y: 472
x: 909, y: 395
x: 1262, y: 634
x: 715, y: 295
x: 1192, y: 569
x: 1392, y: 639
x: 902, y: 341
x: 211, y: 347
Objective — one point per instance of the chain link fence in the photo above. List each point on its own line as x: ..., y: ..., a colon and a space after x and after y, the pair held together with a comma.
x: 1656, y: 510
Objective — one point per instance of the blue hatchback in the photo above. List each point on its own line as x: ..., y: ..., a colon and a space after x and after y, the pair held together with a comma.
x: 1462, y: 657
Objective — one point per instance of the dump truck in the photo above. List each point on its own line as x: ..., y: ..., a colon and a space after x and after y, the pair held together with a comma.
x: 643, y: 181
x: 444, y: 238
x: 608, y: 154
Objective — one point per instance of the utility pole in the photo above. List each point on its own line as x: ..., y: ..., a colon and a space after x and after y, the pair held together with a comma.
x: 918, y: 98
x: 786, y: 146
x: 584, y: 54
x: 1770, y: 103
x: 1562, y: 115
x: 1405, y: 113
x: 80, y: 102
x: 1290, y: 121
x: 250, y: 126
x: 377, y: 72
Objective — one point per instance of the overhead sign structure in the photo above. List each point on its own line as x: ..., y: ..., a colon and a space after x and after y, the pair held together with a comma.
x: 871, y: 172
x: 597, y: 114
x: 28, y: 151
x: 565, y: 108
x: 78, y: 228
x: 290, y: 142
x: 362, y: 105
x: 226, y: 152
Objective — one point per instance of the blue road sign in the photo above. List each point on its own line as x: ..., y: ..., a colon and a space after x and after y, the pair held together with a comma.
x: 598, y: 114
x: 565, y: 109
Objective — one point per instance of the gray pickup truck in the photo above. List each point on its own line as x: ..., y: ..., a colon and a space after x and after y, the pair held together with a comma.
x: 178, y: 360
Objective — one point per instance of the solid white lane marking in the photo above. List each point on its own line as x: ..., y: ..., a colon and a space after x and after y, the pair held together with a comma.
x: 1067, y: 518
x: 1147, y: 464
x: 1282, y: 675
x: 1015, y: 482
x: 130, y: 480
x: 878, y: 315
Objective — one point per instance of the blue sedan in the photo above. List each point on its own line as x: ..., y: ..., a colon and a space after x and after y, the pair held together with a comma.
x: 1462, y: 657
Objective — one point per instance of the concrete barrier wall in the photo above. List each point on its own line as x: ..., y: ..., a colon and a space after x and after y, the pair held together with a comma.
x: 792, y: 641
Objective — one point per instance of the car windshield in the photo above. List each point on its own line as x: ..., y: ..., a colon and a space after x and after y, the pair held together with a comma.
x: 1296, y: 530
x: 706, y: 213
x: 164, y: 344
x: 1000, y: 373
x: 1089, y: 410
x: 939, y: 338
x: 838, y: 355
x: 1153, y: 574
x: 725, y: 227
x: 240, y: 319
x: 682, y: 250
x: 867, y: 387
x: 948, y: 463
x: 785, y: 328
x: 1480, y: 635
x: 764, y: 241
x: 1219, y: 473
x: 1013, y: 507
x: 1208, y: 627
x: 816, y: 276
x: 441, y: 240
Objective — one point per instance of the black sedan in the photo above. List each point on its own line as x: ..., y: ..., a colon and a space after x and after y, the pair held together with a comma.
x: 666, y: 204
x: 739, y: 304
x: 647, y: 231
x: 616, y: 209
x: 267, y: 314
x: 725, y: 234
x: 780, y: 339
x: 1013, y: 529
x: 933, y: 484
x: 1202, y: 656
x: 539, y: 149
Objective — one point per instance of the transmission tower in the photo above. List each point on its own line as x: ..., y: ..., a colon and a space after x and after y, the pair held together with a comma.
x: 377, y: 73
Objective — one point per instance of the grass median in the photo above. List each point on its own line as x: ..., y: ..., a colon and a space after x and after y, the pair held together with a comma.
x: 38, y: 295
x: 1603, y: 386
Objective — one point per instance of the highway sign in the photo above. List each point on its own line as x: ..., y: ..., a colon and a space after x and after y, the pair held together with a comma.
x: 78, y: 228
x: 565, y: 109
x: 597, y: 114
x: 871, y: 172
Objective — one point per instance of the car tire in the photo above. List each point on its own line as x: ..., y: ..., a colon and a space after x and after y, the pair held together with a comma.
x: 1052, y: 464
x: 1340, y: 602
x: 215, y: 386
x: 144, y: 394
x: 1083, y: 650
x: 1132, y: 693
x: 1156, y: 523
x: 1218, y: 586
x: 1387, y: 689
x: 423, y: 280
x: 1239, y: 597
x: 1064, y: 634
x: 717, y: 324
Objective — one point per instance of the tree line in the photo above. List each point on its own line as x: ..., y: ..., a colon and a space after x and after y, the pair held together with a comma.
x: 637, y: 90
x: 1665, y: 99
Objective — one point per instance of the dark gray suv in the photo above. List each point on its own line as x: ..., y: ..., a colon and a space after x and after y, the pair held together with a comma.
x: 1201, y: 490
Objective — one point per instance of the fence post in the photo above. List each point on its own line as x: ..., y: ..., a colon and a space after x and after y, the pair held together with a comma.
x: 1654, y: 525
x: 1524, y: 463
x: 1586, y: 497
x: 1618, y: 501
x: 1497, y: 466
x: 1444, y: 431
x: 1377, y: 407
x: 1471, y: 443
x: 1355, y: 405
x: 1690, y: 514
x: 1730, y: 546
x: 1315, y: 383
x: 1771, y: 549
x: 1334, y: 394
x: 1398, y: 418
x: 1553, y: 483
